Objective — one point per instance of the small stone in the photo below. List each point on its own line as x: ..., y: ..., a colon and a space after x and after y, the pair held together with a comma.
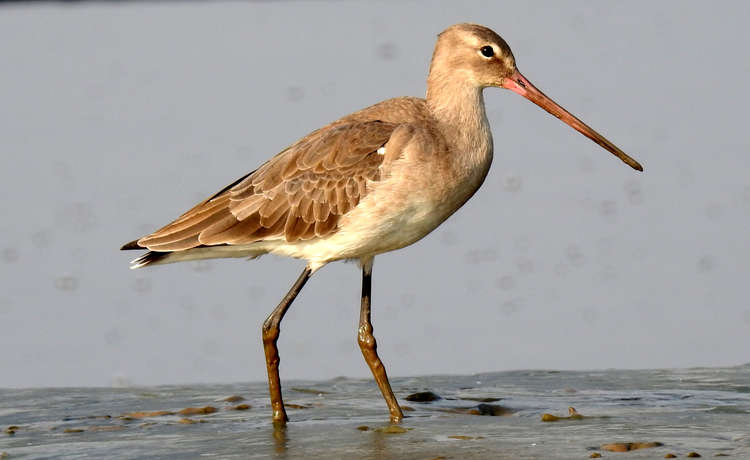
x: 187, y: 421
x: 197, y: 410
x: 11, y: 430
x: 595, y: 455
x: 670, y: 455
x: 572, y: 415
x: 628, y: 446
x: 461, y: 437
x: 73, y: 430
x: 233, y: 398
x: 718, y: 454
x: 240, y: 407
x: 493, y: 410
x: 423, y: 396
x: 616, y: 447
x: 693, y: 455
x: 363, y: 428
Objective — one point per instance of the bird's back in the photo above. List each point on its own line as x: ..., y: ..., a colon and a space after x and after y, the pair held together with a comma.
x: 303, y: 192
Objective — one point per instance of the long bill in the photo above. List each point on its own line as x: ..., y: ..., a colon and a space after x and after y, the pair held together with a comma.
x: 520, y: 85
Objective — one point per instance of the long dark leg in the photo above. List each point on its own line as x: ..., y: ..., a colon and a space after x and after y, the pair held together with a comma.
x: 270, y: 336
x: 369, y: 346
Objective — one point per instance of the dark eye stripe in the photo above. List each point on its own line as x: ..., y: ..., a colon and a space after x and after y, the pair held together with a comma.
x: 487, y: 51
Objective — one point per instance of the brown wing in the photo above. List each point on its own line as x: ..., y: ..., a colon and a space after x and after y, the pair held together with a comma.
x: 299, y: 194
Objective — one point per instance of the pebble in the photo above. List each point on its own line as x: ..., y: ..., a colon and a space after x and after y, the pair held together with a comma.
x: 628, y: 446
x: 491, y: 409
x: 423, y: 396
x: 11, y: 430
x: 197, y: 410
x: 572, y: 415
x: 240, y: 407
x: 595, y: 455
x: 363, y: 428
x: 670, y: 455
x: 693, y: 455
x: 73, y: 430
x: 233, y: 398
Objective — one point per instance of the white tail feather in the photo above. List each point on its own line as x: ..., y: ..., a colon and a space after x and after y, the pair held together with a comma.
x: 210, y: 252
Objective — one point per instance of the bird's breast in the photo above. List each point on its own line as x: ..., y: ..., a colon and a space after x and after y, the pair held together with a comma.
x: 414, y: 200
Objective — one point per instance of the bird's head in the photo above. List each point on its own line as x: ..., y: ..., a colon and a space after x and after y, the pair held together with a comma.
x: 477, y: 57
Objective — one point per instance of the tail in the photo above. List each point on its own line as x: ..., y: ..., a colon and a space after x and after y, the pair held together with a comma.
x: 251, y: 251
x: 150, y: 258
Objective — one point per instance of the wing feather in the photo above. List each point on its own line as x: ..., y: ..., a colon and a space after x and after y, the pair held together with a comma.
x: 306, y: 210
x: 321, y: 210
x: 299, y: 194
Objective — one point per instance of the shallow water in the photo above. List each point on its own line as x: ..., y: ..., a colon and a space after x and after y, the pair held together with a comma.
x: 705, y: 410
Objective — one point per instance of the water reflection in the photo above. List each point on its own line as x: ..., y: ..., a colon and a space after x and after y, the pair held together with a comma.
x: 377, y: 445
x: 280, y: 440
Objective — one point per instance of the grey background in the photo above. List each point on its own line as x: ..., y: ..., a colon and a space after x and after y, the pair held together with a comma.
x: 115, y: 118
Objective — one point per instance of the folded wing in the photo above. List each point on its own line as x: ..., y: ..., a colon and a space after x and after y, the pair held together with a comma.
x: 299, y: 194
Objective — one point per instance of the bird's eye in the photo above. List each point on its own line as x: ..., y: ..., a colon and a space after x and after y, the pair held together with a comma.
x: 487, y: 51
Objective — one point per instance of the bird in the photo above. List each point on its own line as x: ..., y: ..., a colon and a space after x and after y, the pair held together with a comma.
x: 370, y: 182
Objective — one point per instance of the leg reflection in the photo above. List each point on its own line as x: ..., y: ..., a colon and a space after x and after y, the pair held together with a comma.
x: 280, y: 439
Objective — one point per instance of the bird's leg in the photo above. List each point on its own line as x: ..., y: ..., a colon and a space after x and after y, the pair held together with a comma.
x: 369, y: 346
x: 270, y: 336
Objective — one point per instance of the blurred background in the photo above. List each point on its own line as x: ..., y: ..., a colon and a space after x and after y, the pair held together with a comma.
x: 117, y: 117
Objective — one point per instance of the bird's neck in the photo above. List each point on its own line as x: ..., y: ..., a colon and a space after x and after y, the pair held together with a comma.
x: 459, y: 110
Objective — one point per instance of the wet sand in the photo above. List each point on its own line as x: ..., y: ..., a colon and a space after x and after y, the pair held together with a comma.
x: 521, y: 414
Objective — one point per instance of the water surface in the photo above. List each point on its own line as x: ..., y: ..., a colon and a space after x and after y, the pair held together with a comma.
x: 705, y: 410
